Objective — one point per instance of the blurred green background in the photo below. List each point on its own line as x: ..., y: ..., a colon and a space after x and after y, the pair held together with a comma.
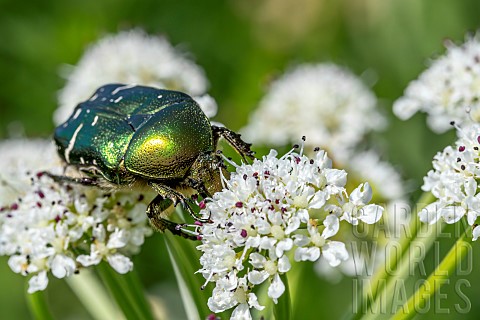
x: 242, y: 45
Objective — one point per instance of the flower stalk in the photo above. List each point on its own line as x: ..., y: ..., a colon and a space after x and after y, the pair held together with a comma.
x: 182, y: 256
x: 93, y: 296
x: 38, y: 305
x: 416, y: 248
x: 384, y: 278
x: 126, y: 292
x: 436, y: 279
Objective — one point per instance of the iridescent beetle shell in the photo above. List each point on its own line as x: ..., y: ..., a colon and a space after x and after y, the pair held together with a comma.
x: 126, y: 132
x: 124, y: 135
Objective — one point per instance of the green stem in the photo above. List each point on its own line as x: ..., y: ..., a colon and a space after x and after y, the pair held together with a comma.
x: 383, y: 275
x: 417, y: 249
x: 184, y: 257
x: 133, y: 283
x: 436, y: 279
x: 93, y: 296
x: 38, y: 306
x: 283, y: 309
x: 128, y: 297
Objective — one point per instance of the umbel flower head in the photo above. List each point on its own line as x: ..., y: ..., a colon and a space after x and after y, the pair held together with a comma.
x: 133, y: 57
x: 454, y: 181
x: 59, y: 229
x: 325, y: 102
x: 272, y: 213
x: 449, y: 90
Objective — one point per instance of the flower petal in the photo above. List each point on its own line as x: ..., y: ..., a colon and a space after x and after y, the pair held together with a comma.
x: 334, y: 252
x: 120, y: 263
x: 38, y: 282
x: 62, y: 266
x: 307, y: 254
x: 276, y: 288
x: 371, y: 213
x: 452, y: 214
x: 476, y: 233
x: 257, y: 277
x: 241, y: 312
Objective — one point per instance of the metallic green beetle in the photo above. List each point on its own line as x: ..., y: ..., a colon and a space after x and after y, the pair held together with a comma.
x: 130, y: 136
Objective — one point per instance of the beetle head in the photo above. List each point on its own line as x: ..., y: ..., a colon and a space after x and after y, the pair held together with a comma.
x: 208, y: 169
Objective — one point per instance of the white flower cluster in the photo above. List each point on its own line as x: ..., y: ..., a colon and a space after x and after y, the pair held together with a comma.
x: 449, y: 90
x: 133, y: 57
x: 46, y: 227
x: 271, y: 212
x: 324, y: 102
x: 454, y: 181
x: 335, y: 110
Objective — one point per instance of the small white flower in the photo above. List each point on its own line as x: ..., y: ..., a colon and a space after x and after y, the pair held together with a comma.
x: 311, y: 247
x: 454, y: 181
x: 276, y: 288
x: 38, y: 282
x: 133, y: 57
x: 358, y: 210
x: 63, y: 266
x: 449, y: 90
x: 120, y: 263
x: 325, y: 102
x: 232, y: 292
x: 335, y: 252
x: 262, y: 219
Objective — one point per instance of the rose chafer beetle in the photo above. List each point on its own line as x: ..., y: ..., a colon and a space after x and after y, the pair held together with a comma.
x: 133, y: 136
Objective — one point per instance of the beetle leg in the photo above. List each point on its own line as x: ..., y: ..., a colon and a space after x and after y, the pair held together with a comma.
x: 175, y: 196
x: 198, y: 185
x: 234, y: 140
x: 158, y: 209
x: 66, y: 179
